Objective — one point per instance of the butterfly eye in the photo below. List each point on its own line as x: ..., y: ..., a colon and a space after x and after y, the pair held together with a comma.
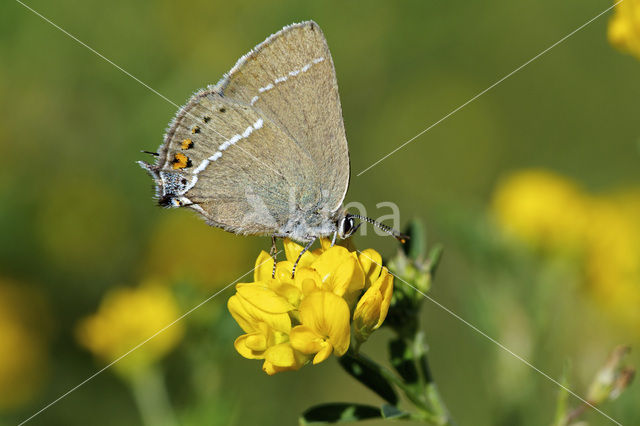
x: 346, y: 227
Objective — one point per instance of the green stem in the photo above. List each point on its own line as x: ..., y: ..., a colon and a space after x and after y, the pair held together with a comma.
x: 431, y: 392
x: 410, y: 392
x: 561, y: 418
x: 150, y: 394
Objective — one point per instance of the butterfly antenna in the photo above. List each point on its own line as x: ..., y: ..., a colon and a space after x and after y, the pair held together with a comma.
x: 149, y: 152
x: 396, y: 234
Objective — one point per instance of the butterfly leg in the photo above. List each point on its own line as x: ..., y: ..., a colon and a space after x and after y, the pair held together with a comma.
x: 333, y: 240
x: 272, y: 252
x: 304, y: 250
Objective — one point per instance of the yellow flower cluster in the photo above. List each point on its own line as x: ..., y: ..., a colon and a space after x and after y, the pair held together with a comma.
x: 291, y: 321
x: 127, y: 317
x: 624, y: 27
x: 552, y: 214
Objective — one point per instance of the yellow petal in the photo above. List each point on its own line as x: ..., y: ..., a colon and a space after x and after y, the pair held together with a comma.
x: 340, y: 279
x: 264, y: 298
x: 357, y: 278
x: 327, y: 315
x: 323, y: 353
x: 370, y: 260
x: 250, y: 318
x: 325, y: 244
x: 280, y: 355
x: 264, y: 267
x: 257, y: 342
x: 306, y: 279
x: 290, y: 292
x: 269, y: 368
x: 244, y: 349
x: 293, y: 250
x: 283, y: 271
x: 328, y: 261
x: 309, y: 286
x: 240, y: 314
x: 305, y: 339
x: 367, y: 312
x: 386, y: 288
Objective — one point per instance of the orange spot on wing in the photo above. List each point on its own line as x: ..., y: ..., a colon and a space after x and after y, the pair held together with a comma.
x: 180, y: 161
x: 186, y: 144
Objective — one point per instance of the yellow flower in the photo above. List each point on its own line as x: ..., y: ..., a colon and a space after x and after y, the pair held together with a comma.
x: 612, y: 258
x: 373, y: 306
x: 543, y: 209
x: 127, y: 317
x: 624, y: 27
x: 325, y: 326
x: 291, y: 321
x: 23, y: 357
x: 263, y: 315
x: 551, y: 213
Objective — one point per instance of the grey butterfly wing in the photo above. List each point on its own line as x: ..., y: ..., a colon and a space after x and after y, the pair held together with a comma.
x: 230, y: 157
x: 290, y: 78
x: 260, y: 156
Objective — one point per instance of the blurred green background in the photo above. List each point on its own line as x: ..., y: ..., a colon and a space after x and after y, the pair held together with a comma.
x: 77, y: 217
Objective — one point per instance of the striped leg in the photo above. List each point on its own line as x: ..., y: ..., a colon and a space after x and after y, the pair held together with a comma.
x: 304, y: 250
x: 272, y: 252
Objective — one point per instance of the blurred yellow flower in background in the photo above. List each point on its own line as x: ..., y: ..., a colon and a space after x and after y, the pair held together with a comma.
x: 23, y: 319
x: 291, y: 321
x: 202, y: 252
x: 127, y: 317
x: 612, y: 254
x: 624, y: 27
x: 541, y: 208
x: 549, y: 212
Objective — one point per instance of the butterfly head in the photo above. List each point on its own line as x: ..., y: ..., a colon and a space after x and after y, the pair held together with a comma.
x: 346, y: 227
x: 170, y: 186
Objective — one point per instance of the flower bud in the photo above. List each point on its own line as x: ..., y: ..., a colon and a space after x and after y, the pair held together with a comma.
x: 373, y: 306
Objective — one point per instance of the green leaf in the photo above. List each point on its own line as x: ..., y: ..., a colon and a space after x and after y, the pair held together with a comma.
x: 434, y: 258
x: 402, y: 360
x: 393, y: 412
x: 339, y: 412
x: 370, y: 377
x: 416, y: 246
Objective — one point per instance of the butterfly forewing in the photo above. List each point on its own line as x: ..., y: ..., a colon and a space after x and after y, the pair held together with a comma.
x: 290, y: 78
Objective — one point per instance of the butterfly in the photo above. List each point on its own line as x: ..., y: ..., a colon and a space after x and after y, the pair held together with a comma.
x: 264, y: 151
